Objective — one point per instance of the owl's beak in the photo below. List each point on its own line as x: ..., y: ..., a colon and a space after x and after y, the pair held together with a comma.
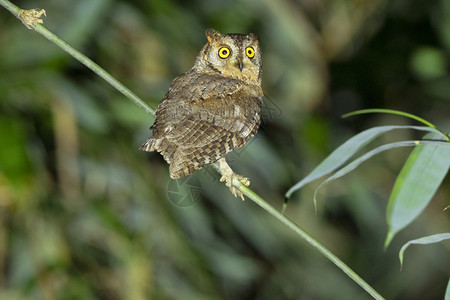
x: 240, y: 65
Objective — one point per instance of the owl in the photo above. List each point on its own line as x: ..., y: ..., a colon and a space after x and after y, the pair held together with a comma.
x: 211, y: 109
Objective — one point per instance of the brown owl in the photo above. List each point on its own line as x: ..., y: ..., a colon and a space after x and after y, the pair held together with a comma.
x: 211, y: 109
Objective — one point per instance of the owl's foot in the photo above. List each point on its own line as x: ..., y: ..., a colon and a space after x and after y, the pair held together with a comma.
x: 228, y: 176
x: 31, y: 17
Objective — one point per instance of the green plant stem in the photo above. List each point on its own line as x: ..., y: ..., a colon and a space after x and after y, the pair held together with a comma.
x: 83, y: 59
x: 396, y: 112
x: 304, y: 235
x: 245, y: 190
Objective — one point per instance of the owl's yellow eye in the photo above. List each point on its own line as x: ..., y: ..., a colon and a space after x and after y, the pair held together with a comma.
x: 224, y: 52
x: 250, y: 52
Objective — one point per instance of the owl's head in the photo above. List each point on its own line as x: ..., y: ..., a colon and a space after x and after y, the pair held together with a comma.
x: 232, y: 55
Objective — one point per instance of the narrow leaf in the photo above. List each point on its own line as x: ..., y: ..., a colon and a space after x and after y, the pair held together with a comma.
x: 395, y: 112
x: 431, y: 239
x: 415, y: 186
x: 344, y: 152
x: 354, y: 164
x: 389, y: 111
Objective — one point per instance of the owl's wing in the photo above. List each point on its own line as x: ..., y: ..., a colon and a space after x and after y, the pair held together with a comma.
x: 205, y: 122
x: 212, y: 113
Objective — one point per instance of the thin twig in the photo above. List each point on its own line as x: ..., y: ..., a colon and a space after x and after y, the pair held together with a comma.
x: 245, y: 190
x: 304, y: 235
x: 83, y: 59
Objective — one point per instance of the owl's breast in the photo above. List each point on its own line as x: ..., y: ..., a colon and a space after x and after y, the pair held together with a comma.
x: 221, y: 101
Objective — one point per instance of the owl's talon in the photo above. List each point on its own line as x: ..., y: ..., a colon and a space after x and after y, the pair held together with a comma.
x: 237, y: 193
x: 224, y: 178
x: 244, y: 180
x: 228, y: 176
x: 31, y: 17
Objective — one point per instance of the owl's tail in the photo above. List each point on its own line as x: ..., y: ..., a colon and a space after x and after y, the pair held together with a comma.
x: 185, y: 162
x: 149, y: 145
x: 163, y: 146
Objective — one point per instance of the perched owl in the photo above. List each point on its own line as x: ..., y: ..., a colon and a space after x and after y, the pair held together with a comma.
x: 211, y: 109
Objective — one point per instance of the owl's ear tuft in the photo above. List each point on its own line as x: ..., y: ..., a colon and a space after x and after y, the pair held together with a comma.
x: 212, y: 35
x: 254, y: 37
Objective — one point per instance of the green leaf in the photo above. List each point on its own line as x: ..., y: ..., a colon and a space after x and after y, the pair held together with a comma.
x: 416, y: 184
x: 431, y: 239
x: 344, y: 152
x: 354, y: 164
x: 388, y: 111
x: 399, y: 113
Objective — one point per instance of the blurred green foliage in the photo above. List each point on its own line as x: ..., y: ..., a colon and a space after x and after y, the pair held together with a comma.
x: 85, y: 215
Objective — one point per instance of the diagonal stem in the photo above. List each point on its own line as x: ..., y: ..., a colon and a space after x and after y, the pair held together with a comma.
x: 304, y: 235
x: 83, y: 59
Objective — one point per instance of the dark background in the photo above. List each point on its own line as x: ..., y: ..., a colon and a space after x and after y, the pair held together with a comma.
x: 85, y: 215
